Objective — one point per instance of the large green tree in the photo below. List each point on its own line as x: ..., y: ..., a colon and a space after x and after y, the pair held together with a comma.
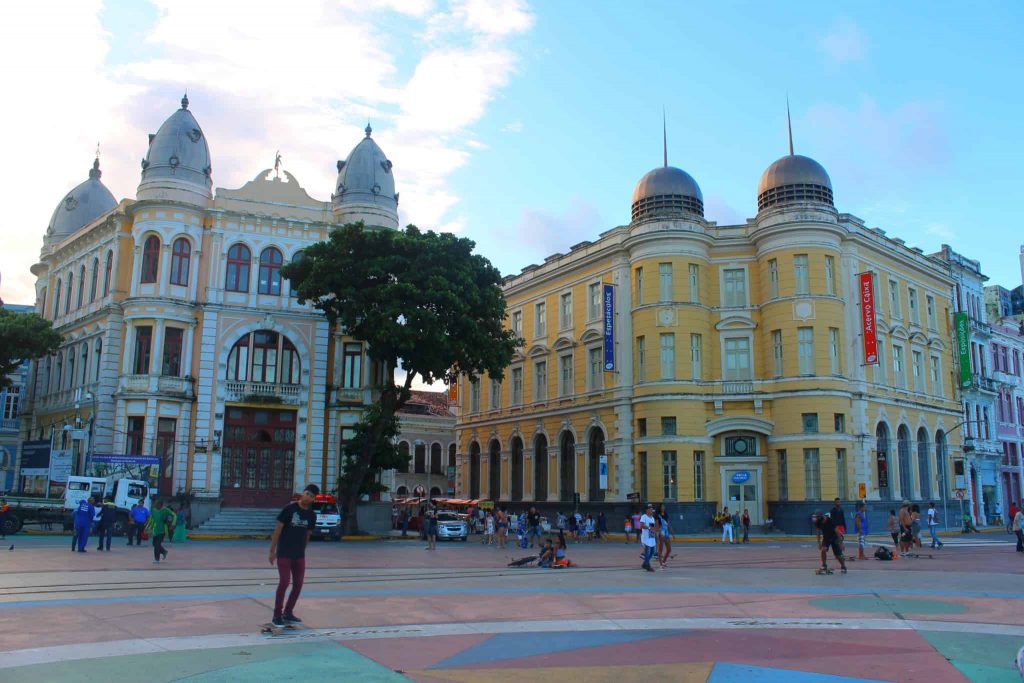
x: 423, y: 302
x: 23, y: 337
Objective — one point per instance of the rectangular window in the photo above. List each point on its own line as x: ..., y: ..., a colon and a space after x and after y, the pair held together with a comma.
x: 777, y: 353
x: 171, y: 365
x: 540, y: 320
x: 881, y: 376
x: 695, y: 360
x: 668, y: 477
x: 937, y: 376
x: 143, y: 345
x: 641, y: 427
x: 929, y: 303
x: 897, y: 366
x: 495, y: 403
x: 698, y: 475
x: 878, y: 294
x: 667, y: 346
x: 841, y: 473
x: 917, y: 367
x: 474, y: 395
x: 830, y: 275
x: 641, y: 359
x: 773, y: 279
x: 565, y: 311
x: 540, y: 380
x: 668, y: 426
x: 735, y: 288
x: 640, y: 288
x: 839, y: 422
x: 915, y: 311
x: 737, y: 358
x: 595, y: 368
x: 894, y: 299
x: 517, y: 386
x: 664, y: 282
x: 783, y: 475
x: 565, y: 387
x: 165, y: 432
x: 805, y: 349
x: 11, y: 400
x: 809, y: 421
x: 833, y: 351
x: 352, y: 367
x: 694, y: 277
x: 642, y: 476
x: 517, y: 323
x: 135, y: 434
x: 812, y: 475
x: 800, y: 274
x: 594, y: 301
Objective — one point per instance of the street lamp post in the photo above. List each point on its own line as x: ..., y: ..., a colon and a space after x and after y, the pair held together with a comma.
x: 950, y: 431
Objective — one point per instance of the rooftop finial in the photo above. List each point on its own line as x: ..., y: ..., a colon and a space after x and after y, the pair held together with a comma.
x: 664, y: 138
x: 95, y: 172
x: 789, y: 125
x: 184, y: 100
x: 368, y: 130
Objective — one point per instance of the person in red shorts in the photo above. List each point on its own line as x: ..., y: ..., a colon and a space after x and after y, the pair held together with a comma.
x: 295, y: 525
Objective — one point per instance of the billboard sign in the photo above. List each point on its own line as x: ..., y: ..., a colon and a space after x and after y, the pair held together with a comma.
x: 963, y: 347
x: 126, y: 459
x: 602, y: 471
x: 609, y: 327
x: 35, y: 458
x: 60, y: 466
x: 867, y: 319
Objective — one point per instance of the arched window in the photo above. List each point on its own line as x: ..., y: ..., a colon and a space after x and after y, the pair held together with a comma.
x: 516, y: 469
x: 239, y: 261
x: 882, y: 460
x: 264, y: 356
x: 58, y: 375
x: 71, y: 368
x: 924, y: 477
x: 150, y: 259
x: 106, y: 272
x: 940, y: 464
x: 85, y: 365
x: 81, y: 287
x: 67, y: 295
x: 435, y: 459
x: 95, y: 279
x: 451, y: 455
x: 56, y: 299
x: 270, y: 271
x: 291, y: 286
x: 99, y: 354
x: 403, y: 454
x: 903, y: 457
x: 181, y: 253
x: 420, y: 465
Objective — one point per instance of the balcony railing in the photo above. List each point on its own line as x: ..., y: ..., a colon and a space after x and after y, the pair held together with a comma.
x: 737, y: 387
x: 10, y: 424
x: 175, y: 385
x: 135, y: 383
x: 263, y: 392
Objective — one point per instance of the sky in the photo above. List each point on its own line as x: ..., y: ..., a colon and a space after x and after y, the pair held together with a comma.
x: 525, y: 126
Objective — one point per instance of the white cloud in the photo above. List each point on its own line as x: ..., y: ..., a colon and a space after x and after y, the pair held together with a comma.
x: 301, y: 77
x: 513, y: 127
x: 844, y: 42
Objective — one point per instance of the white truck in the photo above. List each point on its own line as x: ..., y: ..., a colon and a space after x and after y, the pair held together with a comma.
x: 124, y: 492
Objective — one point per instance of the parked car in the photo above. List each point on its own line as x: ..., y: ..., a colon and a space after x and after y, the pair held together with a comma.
x: 451, y: 527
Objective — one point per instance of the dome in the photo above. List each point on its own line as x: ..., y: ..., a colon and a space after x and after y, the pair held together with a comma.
x: 365, y: 189
x: 82, y: 205
x: 791, y: 179
x: 667, y: 191
x: 178, y: 158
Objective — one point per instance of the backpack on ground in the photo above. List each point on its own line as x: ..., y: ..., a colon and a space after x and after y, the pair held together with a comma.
x: 883, y: 554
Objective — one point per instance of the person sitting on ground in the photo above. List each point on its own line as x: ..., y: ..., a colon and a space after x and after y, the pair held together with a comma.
x: 560, y: 557
x: 547, y: 555
x: 969, y: 524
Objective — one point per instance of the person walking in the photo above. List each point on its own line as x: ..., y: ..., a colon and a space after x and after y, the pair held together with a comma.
x: 727, y: 525
x: 1018, y: 528
x: 488, y: 529
x: 905, y: 520
x: 502, y: 519
x: 1009, y: 519
x: 665, y: 532
x: 85, y: 513
x: 105, y: 528
x: 860, y: 525
x: 636, y: 525
x: 162, y: 521
x: 295, y: 525
x: 828, y: 537
x: 180, y: 525
x: 5, y: 513
x: 130, y: 530
x: 533, y: 526
x: 628, y: 528
x: 892, y: 526
x: 430, y: 517
x: 745, y: 522
x: 933, y: 524
x: 602, y: 527
x: 838, y: 517
x: 647, y: 536
x: 140, y: 513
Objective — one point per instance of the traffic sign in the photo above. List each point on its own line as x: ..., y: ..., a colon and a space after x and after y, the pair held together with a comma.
x: 960, y: 493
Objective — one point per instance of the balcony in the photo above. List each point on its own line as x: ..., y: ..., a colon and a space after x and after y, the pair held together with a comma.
x: 347, y: 395
x: 263, y: 392
x: 745, y: 387
x: 1006, y: 378
x: 983, y: 447
x: 181, y: 386
x: 10, y: 425
x: 984, y: 383
x: 978, y: 326
x: 135, y: 383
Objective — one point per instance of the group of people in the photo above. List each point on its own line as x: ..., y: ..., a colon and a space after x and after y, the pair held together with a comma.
x: 159, y: 524
x: 732, y: 521
x: 905, y: 526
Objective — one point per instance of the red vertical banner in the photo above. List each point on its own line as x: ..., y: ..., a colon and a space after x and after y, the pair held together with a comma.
x: 867, y: 319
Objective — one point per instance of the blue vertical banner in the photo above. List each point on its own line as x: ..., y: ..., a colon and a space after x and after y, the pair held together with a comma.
x: 609, y: 327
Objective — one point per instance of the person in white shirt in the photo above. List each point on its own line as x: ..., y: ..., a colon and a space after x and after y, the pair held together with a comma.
x: 726, y: 525
x: 647, y: 537
x: 933, y: 524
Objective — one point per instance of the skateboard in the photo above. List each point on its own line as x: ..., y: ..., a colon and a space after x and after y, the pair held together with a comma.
x: 269, y: 629
x: 919, y: 556
x: 821, y: 571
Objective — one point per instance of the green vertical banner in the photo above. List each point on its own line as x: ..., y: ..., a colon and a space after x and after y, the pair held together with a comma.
x: 963, y: 347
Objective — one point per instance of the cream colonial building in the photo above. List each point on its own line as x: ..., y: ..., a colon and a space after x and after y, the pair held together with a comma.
x: 739, y: 371
x: 182, y: 338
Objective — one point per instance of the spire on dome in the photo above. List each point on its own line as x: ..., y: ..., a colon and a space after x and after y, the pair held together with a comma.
x: 789, y: 126
x: 664, y: 139
x: 368, y: 130
x: 184, y: 100
x: 95, y: 172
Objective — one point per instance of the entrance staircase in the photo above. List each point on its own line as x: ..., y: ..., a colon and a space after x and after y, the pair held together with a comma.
x: 239, y: 522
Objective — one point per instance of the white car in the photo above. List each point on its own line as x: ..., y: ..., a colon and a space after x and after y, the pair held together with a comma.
x: 451, y: 527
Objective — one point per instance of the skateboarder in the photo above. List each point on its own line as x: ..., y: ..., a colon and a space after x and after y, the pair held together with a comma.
x: 288, y: 550
x: 828, y: 537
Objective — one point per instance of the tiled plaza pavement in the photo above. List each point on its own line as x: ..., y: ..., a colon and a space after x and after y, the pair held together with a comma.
x: 393, y: 611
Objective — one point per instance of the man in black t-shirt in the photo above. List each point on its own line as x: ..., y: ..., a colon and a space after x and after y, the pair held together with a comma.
x: 828, y: 537
x: 533, y: 526
x: 295, y: 525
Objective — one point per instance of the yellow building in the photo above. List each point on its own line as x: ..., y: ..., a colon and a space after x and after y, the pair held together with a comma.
x: 738, y: 374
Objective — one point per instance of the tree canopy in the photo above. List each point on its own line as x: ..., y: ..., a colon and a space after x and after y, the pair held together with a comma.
x: 23, y: 337
x: 422, y: 302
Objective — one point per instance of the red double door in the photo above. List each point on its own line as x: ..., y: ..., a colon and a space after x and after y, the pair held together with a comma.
x: 257, y: 457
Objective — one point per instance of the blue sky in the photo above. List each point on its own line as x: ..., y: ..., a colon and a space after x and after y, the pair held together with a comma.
x: 525, y: 126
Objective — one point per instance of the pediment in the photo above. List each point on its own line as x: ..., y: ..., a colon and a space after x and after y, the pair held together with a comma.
x: 900, y: 332
x: 918, y: 338
x: 735, y: 322
x: 937, y: 344
x: 563, y: 343
x: 591, y: 336
x: 538, y: 350
x: 739, y: 423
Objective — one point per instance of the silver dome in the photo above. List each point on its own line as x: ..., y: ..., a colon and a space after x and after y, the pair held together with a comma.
x: 365, y: 177
x: 667, y: 191
x: 794, y: 178
x: 84, y: 204
x: 179, y: 151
